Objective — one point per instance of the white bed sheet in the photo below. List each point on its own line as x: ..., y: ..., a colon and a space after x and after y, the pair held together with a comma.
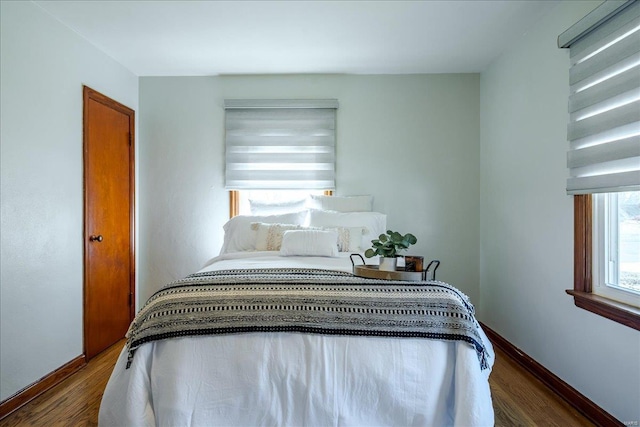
x: 271, y: 259
x: 293, y: 379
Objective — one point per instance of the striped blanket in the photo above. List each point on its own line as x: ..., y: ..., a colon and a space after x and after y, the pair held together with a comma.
x: 307, y: 301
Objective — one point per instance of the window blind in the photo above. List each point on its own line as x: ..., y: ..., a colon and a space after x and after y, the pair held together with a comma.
x: 280, y: 144
x: 604, y: 100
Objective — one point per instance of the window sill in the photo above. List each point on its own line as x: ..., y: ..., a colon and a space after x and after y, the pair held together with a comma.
x: 613, y: 310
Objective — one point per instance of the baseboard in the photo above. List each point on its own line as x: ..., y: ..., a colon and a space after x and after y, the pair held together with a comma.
x: 34, y: 390
x: 582, y: 404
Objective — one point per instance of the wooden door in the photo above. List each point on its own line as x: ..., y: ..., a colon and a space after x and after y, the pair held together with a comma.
x: 109, y: 273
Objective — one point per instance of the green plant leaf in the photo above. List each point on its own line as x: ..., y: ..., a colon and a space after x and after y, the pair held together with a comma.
x: 389, y: 244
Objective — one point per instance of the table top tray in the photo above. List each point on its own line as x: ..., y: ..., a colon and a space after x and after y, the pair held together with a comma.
x: 372, y: 272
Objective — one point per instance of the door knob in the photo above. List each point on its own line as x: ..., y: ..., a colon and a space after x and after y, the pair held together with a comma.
x: 97, y: 238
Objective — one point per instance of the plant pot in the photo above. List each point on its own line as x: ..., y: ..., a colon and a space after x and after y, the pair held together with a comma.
x: 388, y: 263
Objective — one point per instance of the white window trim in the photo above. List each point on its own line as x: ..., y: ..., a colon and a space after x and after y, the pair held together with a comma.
x: 602, y: 229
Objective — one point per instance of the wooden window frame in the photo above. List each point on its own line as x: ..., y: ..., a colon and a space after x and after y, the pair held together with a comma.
x: 234, y: 201
x: 583, y: 278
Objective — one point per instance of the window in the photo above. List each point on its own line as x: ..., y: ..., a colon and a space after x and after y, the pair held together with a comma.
x: 616, y: 248
x: 240, y: 202
x: 583, y: 293
x: 278, y: 149
x: 604, y: 159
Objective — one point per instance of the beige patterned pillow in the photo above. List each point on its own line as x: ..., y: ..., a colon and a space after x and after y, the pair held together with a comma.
x: 349, y: 238
x: 269, y: 236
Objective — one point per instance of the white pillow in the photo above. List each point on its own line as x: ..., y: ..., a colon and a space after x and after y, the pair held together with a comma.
x: 341, y: 203
x: 239, y: 237
x: 269, y: 236
x: 261, y: 207
x: 309, y: 243
x: 374, y: 223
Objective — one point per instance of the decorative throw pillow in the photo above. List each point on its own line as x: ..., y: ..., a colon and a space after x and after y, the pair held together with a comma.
x: 310, y: 243
x: 349, y: 238
x: 269, y: 236
x: 239, y: 237
x: 373, y: 223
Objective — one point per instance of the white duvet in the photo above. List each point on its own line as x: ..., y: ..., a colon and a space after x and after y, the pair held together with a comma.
x: 294, y: 379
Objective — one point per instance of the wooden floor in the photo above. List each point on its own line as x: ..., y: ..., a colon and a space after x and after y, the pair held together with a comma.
x: 73, y: 402
x: 518, y: 398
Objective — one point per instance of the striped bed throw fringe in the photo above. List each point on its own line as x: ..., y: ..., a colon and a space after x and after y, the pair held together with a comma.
x: 305, y: 301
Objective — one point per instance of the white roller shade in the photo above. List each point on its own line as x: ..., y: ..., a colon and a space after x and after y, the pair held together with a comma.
x: 280, y: 144
x: 604, y: 100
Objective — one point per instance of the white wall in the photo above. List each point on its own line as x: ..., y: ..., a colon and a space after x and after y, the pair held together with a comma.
x: 428, y: 128
x: 526, y: 255
x: 43, y: 68
x: 412, y: 141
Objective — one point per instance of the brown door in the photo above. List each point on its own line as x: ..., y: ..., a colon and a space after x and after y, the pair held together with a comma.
x: 109, y: 201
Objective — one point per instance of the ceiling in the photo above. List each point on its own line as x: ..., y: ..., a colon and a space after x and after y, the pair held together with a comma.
x: 197, y: 38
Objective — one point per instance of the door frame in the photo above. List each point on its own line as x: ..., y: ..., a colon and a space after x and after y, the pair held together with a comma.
x: 87, y: 95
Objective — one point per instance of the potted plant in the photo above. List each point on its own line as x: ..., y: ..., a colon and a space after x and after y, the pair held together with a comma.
x: 387, y: 247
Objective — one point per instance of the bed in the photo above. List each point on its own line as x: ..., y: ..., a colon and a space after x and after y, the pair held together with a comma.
x: 258, y: 337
